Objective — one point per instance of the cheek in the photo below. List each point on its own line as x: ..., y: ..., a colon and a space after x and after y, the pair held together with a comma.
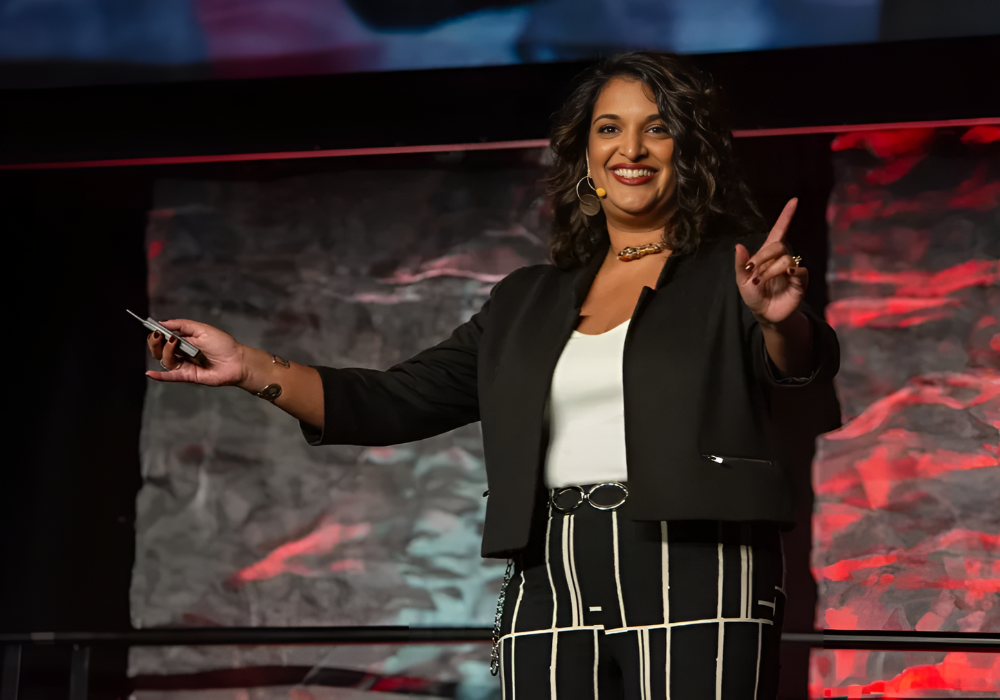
x: 598, y: 162
x: 668, y: 177
x: 666, y: 156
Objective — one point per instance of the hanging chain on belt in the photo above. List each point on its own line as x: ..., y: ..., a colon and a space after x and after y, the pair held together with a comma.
x: 495, y: 657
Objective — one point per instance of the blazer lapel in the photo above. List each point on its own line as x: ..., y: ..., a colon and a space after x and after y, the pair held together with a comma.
x: 545, y: 325
x: 532, y: 351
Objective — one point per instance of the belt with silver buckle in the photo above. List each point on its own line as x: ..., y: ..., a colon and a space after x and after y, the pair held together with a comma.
x: 567, y: 499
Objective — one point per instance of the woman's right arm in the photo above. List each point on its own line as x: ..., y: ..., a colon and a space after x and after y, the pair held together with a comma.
x: 230, y: 363
x: 434, y: 391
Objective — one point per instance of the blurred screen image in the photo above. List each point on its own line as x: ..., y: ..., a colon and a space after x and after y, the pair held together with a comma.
x: 256, y: 38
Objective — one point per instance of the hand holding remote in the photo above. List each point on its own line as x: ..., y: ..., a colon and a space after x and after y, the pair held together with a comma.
x: 224, y: 357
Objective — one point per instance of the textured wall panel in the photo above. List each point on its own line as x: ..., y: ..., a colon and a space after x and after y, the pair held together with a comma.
x: 240, y: 522
x: 907, y: 520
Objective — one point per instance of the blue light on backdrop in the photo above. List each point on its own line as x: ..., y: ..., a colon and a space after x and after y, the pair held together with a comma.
x: 244, y: 38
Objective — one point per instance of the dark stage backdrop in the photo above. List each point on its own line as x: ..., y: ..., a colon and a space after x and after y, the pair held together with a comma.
x: 906, y: 531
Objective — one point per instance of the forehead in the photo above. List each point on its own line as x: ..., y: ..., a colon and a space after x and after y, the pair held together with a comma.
x: 623, y: 96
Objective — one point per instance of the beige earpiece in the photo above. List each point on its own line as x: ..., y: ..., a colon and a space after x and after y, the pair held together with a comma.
x: 601, y: 192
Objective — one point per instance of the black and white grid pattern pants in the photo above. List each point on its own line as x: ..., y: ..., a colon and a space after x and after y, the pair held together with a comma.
x: 605, y: 607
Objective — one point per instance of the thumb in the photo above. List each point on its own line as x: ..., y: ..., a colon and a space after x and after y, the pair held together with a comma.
x: 742, y: 258
x: 184, y: 373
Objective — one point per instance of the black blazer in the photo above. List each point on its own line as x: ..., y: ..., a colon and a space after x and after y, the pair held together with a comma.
x: 697, y: 384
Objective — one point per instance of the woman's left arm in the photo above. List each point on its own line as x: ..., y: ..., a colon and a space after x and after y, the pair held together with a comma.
x: 773, y: 286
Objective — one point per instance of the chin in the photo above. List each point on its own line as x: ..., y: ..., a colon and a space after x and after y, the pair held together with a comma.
x: 636, y: 210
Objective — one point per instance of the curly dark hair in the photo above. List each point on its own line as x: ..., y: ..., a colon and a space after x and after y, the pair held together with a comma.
x: 712, y: 198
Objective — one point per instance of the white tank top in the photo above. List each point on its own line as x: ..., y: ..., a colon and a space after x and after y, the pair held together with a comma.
x: 586, y: 411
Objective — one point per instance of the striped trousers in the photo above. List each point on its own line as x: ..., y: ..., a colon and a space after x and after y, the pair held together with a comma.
x: 605, y: 607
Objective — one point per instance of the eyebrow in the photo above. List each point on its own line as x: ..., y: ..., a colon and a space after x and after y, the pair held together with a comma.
x: 650, y: 118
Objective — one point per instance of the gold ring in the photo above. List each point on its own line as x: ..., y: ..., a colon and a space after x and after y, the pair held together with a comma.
x: 797, y: 259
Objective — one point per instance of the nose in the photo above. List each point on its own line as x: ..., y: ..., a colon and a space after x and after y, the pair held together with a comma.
x: 633, y: 146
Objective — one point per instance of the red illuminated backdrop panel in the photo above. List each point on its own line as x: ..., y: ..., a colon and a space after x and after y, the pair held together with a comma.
x: 907, y: 519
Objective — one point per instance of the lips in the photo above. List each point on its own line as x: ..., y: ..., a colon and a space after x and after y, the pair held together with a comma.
x: 633, y: 175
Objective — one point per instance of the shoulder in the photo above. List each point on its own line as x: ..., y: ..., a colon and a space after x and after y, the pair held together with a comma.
x: 526, y: 278
x: 727, y: 244
x: 719, y: 252
x: 723, y: 247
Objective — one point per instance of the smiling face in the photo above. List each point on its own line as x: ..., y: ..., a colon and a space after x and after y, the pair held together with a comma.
x: 631, y: 156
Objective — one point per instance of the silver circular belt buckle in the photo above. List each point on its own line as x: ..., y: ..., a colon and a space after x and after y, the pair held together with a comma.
x: 587, y: 496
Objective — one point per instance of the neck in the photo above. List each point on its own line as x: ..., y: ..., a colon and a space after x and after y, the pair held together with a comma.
x: 623, y: 237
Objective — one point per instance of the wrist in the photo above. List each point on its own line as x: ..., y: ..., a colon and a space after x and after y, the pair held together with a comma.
x: 254, y: 367
x: 262, y: 373
x: 793, y: 321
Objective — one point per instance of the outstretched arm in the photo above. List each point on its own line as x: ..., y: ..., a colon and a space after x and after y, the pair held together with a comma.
x: 433, y: 392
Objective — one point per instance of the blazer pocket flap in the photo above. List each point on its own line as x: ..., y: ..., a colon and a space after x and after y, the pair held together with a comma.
x: 734, y: 461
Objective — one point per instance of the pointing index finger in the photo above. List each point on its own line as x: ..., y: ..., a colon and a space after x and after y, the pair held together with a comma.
x: 781, y: 225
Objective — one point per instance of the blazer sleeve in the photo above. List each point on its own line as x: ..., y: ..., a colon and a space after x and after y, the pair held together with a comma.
x: 825, y: 343
x: 825, y: 346
x: 431, y: 393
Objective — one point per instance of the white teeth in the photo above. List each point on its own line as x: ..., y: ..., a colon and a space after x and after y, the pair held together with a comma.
x: 629, y: 173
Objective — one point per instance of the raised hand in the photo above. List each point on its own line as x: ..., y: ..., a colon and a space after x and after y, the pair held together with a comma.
x: 770, y: 282
x: 224, y: 357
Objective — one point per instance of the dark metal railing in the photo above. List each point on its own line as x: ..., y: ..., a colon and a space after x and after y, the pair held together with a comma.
x: 266, y: 636
x: 82, y: 642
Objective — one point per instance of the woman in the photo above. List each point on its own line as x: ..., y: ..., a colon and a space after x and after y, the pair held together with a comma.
x: 641, y: 362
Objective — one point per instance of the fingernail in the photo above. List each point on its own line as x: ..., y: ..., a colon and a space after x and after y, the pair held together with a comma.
x: 756, y: 280
x: 749, y: 266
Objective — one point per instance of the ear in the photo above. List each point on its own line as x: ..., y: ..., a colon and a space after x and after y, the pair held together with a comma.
x: 586, y: 155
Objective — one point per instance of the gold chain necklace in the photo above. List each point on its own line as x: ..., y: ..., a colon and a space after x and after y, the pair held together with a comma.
x: 641, y: 251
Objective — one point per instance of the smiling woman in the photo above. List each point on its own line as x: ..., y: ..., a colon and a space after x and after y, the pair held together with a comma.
x: 623, y: 394
x: 670, y: 115
x: 632, y: 145
x: 650, y: 212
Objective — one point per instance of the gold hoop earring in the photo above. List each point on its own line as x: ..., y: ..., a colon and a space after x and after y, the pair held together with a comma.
x: 589, y: 203
x: 601, y: 192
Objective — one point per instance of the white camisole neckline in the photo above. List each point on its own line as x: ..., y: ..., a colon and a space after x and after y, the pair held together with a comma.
x: 586, y: 411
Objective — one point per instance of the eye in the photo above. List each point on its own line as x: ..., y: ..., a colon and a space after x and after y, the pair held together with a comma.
x: 658, y: 129
x: 607, y: 129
